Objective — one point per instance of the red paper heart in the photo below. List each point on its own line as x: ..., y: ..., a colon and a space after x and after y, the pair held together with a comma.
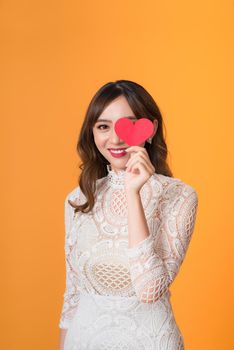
x: 134, y: 134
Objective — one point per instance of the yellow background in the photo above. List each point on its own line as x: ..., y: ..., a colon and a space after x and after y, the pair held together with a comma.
x: 54, y: 56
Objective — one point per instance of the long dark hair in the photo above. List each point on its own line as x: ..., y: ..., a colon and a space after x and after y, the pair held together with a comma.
x: 94, y: 165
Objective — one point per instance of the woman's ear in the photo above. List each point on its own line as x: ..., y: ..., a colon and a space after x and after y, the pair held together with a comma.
x: 155, y: 127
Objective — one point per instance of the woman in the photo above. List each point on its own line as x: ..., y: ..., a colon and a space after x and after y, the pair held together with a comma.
x: 128, y: 227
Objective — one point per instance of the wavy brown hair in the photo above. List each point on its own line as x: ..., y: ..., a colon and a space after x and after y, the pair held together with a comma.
x: 94, y: 165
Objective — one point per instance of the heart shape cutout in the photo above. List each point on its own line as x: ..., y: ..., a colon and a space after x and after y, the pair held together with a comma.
x: 134, y: 134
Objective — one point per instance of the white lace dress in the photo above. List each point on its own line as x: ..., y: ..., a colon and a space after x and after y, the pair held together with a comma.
x: 118, y: 298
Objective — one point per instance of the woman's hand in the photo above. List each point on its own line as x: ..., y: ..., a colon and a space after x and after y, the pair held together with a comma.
x: 138, y: 169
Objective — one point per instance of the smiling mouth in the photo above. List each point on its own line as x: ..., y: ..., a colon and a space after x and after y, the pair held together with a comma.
x: 117, y: 152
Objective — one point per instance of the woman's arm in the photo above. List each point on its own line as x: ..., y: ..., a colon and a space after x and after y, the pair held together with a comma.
x: 154, y: 267
x: 71, y: 293
x: 137, y: 225
x: 63, y: 333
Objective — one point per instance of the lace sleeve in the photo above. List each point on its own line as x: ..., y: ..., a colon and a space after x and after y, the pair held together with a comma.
x: 153, y: 267
x: 71, y: 294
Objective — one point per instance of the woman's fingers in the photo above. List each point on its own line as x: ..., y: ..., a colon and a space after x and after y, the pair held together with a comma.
x: 139, y: 160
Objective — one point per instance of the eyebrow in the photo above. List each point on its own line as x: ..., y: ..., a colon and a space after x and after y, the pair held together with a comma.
x: 109, y: 121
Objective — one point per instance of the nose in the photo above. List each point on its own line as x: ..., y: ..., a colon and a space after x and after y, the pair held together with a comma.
x: 114, y: 138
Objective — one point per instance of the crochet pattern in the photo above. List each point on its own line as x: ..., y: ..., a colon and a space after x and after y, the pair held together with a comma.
x: 118, y: 297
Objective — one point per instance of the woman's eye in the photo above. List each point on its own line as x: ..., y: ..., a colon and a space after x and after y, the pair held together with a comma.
x: 99, y: 126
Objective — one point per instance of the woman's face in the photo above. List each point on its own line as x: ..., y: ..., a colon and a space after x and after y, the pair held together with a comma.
x: 105, y: 136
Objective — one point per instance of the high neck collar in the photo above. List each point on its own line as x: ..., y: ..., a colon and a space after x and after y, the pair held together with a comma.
x: 115, y: 178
